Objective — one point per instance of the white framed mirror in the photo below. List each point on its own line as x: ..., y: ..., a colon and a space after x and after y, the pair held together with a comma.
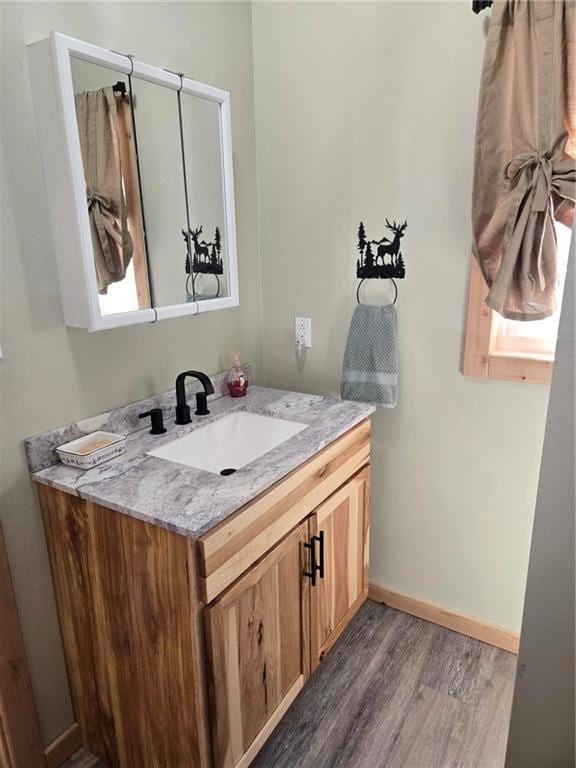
x: 138, y: 168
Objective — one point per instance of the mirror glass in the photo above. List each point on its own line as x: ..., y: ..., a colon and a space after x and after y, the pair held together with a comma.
x: 206, y: 202
x: 105, y: 128
x: 159, y: 235
x: 162, y: 178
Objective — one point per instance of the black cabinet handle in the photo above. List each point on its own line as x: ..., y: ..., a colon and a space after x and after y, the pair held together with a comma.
x: 314, y: 564
x: 320, y: 540
x: 311, y: 545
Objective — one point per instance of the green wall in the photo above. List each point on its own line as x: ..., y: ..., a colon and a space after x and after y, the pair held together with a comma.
x: 366, y: 111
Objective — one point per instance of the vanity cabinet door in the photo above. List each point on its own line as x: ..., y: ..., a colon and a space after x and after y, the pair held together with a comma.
x: 341, y: 525
x: 258, y: 650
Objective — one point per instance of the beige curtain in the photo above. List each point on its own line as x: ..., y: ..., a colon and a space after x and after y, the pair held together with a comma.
x: 97, y: 126
x: 525, y: 174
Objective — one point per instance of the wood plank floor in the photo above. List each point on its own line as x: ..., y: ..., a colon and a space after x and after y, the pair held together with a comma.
x: 394, y: 692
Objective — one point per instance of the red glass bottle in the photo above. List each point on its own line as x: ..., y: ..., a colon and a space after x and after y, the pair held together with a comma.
x: 237, y: 379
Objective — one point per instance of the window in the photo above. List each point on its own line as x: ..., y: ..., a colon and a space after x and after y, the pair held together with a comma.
x: 497, y: 348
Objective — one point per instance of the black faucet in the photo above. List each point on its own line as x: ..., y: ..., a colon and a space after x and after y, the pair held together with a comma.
x: 182, y: 408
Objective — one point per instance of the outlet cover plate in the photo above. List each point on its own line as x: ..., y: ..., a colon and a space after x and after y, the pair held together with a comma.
x: 303, y: 331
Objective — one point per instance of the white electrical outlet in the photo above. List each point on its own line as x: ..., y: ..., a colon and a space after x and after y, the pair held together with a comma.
x: 303, y: 331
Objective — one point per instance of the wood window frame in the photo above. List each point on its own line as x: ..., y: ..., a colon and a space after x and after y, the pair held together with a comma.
x: 129, y: 166
x: 481, y: 358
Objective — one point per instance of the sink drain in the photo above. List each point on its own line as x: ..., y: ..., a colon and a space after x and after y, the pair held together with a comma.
x: 227, y: 471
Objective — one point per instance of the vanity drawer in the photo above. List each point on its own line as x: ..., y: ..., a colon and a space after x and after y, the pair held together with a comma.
x: 228, y: 550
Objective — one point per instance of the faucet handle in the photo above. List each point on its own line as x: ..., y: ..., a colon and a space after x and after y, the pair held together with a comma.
x: 156, y: 419
x: 201, y: 404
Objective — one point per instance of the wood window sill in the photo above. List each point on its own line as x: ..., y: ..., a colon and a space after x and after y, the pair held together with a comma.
x: 520, y: 367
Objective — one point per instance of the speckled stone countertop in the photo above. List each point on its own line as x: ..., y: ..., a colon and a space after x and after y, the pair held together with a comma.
x: 183, y: 499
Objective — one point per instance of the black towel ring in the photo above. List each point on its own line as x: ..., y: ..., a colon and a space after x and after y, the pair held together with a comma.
x: 365, y: 278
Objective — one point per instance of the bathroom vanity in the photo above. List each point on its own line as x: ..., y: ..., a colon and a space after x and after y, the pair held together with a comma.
x: 195, y: 606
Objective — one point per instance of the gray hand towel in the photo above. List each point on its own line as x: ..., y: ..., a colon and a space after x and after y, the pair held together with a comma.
x: 370, y: 370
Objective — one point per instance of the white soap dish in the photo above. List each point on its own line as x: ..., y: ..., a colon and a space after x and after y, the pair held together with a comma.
x: 89, y: 451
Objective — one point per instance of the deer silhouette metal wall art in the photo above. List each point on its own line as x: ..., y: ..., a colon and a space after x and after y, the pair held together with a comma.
x: 388, y: 260
x: 207, y: 258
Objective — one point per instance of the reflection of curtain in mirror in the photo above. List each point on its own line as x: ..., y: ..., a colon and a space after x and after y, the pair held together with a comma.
x: 97, y: 127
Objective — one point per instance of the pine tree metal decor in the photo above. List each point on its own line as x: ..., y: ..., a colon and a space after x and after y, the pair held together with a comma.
x: 388, y: 260
x: 207, y: 257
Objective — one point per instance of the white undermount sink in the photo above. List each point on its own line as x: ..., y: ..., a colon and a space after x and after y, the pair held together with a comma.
x: 229, y: 443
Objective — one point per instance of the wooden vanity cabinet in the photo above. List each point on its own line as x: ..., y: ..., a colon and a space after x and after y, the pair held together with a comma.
x: 258, y: 659
x: 270, y: 629
x: 186, y: 653
x: 132, y: 631
x: 342, y: 522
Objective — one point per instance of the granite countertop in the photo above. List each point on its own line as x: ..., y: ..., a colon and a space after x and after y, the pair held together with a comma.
x: 180, y: 498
